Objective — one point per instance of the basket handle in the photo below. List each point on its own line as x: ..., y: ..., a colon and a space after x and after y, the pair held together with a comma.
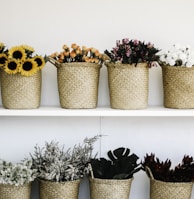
x: 149, y: 172
x: 54, y: 62
x: 91, y: 170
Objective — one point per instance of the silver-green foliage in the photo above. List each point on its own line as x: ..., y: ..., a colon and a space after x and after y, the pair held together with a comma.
x: 16, y: 174
x: 54, y: 163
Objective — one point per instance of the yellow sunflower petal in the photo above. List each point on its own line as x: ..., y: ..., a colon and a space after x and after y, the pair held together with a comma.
x: 40, y: 61
x: 28, y: 67
x: 2, y: 46
x: 28, y: 48
x: 3, y: 59
x: 12, y: 66
x: 17, y: 52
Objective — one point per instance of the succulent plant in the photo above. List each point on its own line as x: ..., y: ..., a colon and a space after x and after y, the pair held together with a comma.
x: 120, y: 165
x: 53, y: 163
x: 161, y: 170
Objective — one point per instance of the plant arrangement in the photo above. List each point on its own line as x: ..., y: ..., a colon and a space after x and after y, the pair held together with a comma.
x: 133, y: 52
x: 55, y: 164
x: 161, y: 170
x: 17, y: 174
x: 178, y: 55
x: 75, y: 53
x: 120, y: 165
x: 20, y: 59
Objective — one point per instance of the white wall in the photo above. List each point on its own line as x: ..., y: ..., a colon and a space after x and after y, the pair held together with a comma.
x: 47, y: 25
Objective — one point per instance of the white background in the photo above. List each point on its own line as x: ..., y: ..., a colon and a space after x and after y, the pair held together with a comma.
x: 47, y: 25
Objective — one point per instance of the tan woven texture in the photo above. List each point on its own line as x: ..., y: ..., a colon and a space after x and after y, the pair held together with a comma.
x: 54, y: 190
x: 109, y: 189
x: 169, y: 190
x: 20, y: 92
x: 15, y: 192
x: 128, y: 86
x: 78, y: 85
x: 178, y: 85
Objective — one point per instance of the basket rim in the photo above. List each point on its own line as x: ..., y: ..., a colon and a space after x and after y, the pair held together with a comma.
x: 80, y: 64
x: 110, y: 180
x: 120, y: 65
x: 55, y: 182
x: 176, y: 67
x: 171, y: 183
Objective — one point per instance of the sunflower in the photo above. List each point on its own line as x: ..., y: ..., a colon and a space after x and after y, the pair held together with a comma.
x: 28, y: 49
x: 40, y: 61
x: 2, y: 46
x: 17, y: 52
x: 12, y: 66
x: 3, y: 59
x: 28, y: 67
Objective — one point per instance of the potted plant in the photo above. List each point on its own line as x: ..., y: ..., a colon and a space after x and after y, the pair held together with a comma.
x: 128, y: 73
x: 167, y: 182
x: 178, y: 76
x: 15, y: 179
x: 60, y: 170
x: 20, y: 73
x: 112, y: 178
x: 78, y: 70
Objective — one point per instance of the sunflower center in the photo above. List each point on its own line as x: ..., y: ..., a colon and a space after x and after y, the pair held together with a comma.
x: 38, y: 61
x: 17, y: 55
x: 27, y: 66
x: 2, y: 60
x: 12, y: 65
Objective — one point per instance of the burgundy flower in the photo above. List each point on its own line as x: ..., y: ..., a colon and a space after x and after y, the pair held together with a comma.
x: 125, y: 41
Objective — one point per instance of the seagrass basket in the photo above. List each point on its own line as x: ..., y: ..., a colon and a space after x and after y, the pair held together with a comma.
x: 128, y: 85
x: 20, y: 92
x: 78, y: 84
x: 178, y: 86
x: 59, y: 190
x: 169, y: 190
x: 15, y: 192
x: 109, y: 188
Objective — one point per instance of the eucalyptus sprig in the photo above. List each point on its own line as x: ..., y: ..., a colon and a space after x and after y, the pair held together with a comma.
x: 54, y: 163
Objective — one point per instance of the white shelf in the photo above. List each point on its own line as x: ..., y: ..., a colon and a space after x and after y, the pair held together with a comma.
x: 154, y: 111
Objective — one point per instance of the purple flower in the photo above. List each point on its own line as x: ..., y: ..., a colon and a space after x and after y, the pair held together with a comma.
x: 118, y: 42
x: 115, y: 50
x: 135, y: 42
x: 125, y: 41
x: 128, y: 53
x: 150, y: 45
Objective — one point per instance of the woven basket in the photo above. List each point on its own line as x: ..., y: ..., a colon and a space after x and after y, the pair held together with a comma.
x: 109, y: 188
x: 20, y: 92
x: 15, y: 192
x: 77, y: 84
x: 128, y: 85
x: 169, y: 190
x: 62, y: 190
x: 178, y: 85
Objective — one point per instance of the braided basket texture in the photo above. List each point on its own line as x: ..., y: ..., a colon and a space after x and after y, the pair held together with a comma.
x: 178, y: 85
x: 128, y: 85
x: 78, y: 85
x: 20, y: 92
